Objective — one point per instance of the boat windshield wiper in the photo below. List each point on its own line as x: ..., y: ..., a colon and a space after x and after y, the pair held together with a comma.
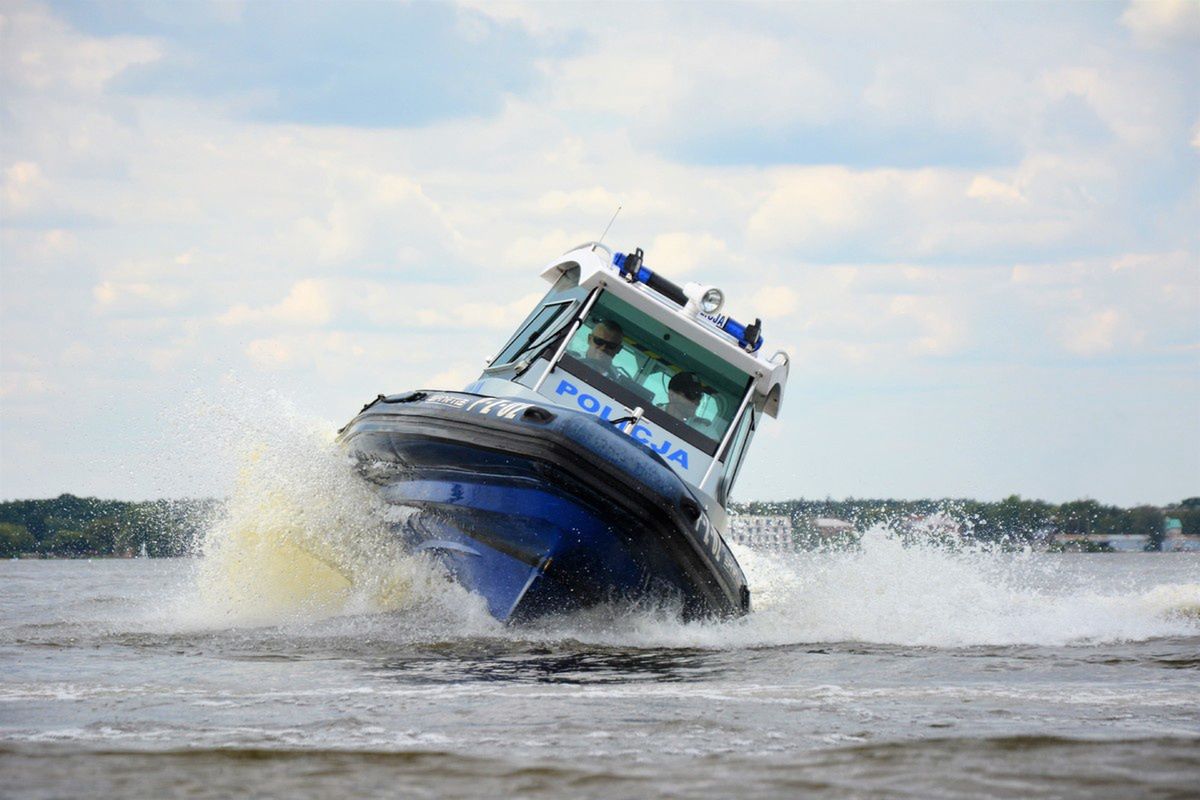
x: 633, y: 419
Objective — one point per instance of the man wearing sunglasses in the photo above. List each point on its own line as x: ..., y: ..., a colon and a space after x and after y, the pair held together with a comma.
x: 604, y: 343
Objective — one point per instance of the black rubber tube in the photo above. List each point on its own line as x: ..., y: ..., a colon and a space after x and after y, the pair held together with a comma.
x: 666, y: 288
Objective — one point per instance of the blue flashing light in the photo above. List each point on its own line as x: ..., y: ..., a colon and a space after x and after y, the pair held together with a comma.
x: 730, y: 326
x: 641, y: 276
x: 738, y: 331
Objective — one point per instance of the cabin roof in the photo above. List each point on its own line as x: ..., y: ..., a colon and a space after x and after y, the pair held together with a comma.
x: 591, y: 267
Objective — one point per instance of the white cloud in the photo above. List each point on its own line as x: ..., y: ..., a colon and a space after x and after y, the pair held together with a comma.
x: 306, y: 304
x: 816, y: 205
x: 23, y: 181
x: 942, y: 332
x: 154, y: 237
x: 1134, y: 303
x: 1097, y: 333
x: 1155, y: 23
x: 985, y: 187
x: 595, y: 200
x: 57, y: 243
x: 43, y: 54
x: 682, y: 253
x: 1127, y: 101
x: 125, y: 297
x: 774, y: 302
x: 521, y: 250
x: 77, y: 354
x: 1046, y: 202
x: 24, y: 385
x: 269, y: 353
x: 456, y: 377
x: 325, y: 352
x: 493, y: 316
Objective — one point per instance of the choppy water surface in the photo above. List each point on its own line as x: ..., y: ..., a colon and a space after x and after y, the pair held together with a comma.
x: 304, y: 656
x: 888, y: 672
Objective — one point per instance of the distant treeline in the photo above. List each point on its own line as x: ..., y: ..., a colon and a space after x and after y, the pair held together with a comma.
x: 1011, y: 520
x: 84, y: 526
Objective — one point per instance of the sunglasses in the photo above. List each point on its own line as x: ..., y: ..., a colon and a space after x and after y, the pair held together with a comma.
x: 605, y: 344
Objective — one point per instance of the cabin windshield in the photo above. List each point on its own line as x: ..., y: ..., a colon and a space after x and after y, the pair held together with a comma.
x: 681, y: 385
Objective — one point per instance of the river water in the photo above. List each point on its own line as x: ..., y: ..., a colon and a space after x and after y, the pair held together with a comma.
x: 304, y: 656
x: 887, y: 672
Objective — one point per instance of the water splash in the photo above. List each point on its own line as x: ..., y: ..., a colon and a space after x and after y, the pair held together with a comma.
x: 304, y: 539
x: 924, y: 595
x: 930, y: 595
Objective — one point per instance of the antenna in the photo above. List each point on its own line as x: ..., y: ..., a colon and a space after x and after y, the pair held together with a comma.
x: 606, y: 227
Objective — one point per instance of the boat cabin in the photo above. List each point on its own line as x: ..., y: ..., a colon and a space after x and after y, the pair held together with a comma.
x: 614, y: 339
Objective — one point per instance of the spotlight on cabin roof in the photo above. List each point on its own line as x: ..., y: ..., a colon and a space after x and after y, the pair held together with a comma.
x: 708, y: 299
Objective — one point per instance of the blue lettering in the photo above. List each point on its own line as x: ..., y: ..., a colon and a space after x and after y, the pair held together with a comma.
x: 640, y: 433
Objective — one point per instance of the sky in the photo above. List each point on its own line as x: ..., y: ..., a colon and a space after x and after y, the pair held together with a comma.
x: 974, y: 227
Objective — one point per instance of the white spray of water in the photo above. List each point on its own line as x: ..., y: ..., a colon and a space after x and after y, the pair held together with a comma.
x: 892, y: 592
x: 303, y: 538
x: 897, y: 593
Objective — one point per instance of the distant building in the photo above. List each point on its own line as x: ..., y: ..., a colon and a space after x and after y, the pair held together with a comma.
x: 830, y: 527
x: 762, y: 532
x: 1174, y: 539
x: 1091, y: 542
x: 1071, y: 541
x: 936, y: 527
x: 1128, y: 542
x: 825, y: 533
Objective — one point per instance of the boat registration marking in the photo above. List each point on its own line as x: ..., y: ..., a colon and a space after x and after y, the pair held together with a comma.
x: 489, y: 406
x: 447, y: 400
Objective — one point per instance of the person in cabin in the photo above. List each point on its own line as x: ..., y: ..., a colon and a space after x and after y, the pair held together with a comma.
x: 683, y: 398
x: 604, y: 342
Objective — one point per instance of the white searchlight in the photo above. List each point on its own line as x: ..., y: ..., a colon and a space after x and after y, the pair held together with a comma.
x: 703, y: 299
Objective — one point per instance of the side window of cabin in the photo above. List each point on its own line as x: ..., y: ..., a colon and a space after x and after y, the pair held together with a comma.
x: 536, y: 333
x: 737, y: 449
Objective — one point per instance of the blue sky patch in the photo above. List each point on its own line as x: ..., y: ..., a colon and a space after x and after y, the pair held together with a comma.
x: 356, y: 63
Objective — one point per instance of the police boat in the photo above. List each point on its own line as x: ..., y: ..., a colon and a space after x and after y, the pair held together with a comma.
x: 593, y: 459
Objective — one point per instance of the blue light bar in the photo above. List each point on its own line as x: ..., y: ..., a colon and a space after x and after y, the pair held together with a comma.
x: 643, y: 273
x: 748, y: 337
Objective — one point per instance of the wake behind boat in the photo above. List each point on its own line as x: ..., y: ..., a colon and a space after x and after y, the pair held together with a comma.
x: 593, y: 459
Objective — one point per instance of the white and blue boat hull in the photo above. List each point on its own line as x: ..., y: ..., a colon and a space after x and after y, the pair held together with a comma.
x: 541, y: 509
